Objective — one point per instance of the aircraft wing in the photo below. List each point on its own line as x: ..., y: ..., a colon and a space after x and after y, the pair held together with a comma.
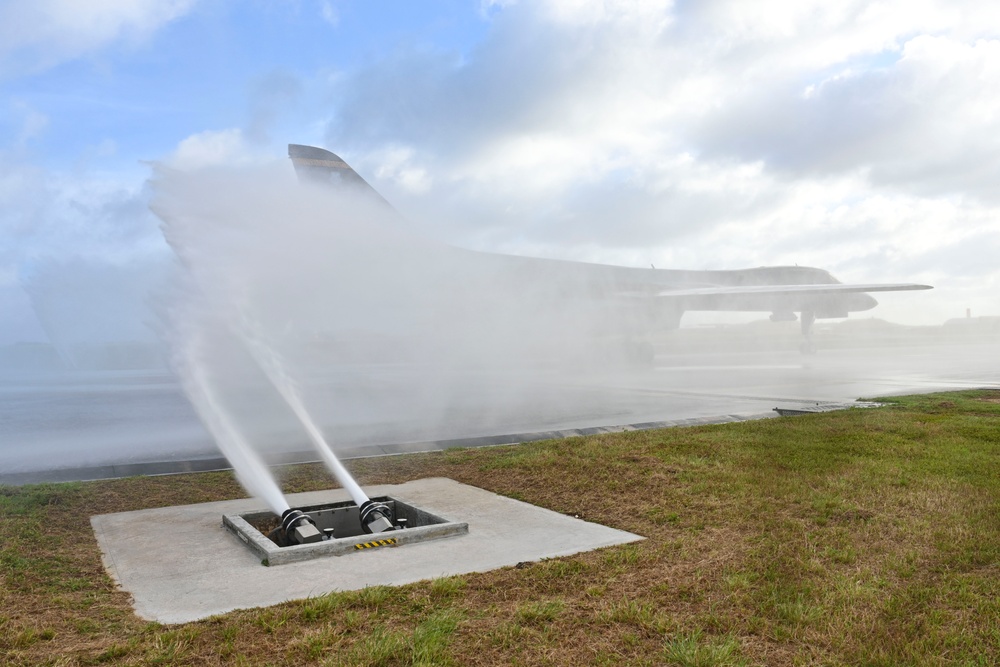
x: 790, y: 290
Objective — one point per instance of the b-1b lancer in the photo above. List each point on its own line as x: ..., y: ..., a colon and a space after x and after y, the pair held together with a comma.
x: 664, y: 295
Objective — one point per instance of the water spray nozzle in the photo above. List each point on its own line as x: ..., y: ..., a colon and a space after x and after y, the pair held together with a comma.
x: 375, y: 517
x: 299, y: 528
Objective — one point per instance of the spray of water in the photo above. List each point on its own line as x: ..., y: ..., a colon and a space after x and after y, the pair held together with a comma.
x: 250, y: 469
x: 373, y: 321
x: 390, y: 336
x: 274, y: 369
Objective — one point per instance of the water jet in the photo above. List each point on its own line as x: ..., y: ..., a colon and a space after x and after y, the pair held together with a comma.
x: 373, y: 517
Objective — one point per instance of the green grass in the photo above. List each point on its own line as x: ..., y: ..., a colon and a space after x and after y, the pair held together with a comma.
x: 870, y: 536
x: 693, y: 650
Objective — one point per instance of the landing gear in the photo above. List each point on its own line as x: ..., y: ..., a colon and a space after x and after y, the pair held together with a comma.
x: 807, y: 319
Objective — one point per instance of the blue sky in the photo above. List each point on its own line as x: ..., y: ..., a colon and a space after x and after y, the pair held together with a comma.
x: 860, y: 137
x: 201, y: 70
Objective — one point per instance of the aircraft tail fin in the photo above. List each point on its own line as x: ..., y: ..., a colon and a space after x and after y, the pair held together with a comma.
x: 317, y: 165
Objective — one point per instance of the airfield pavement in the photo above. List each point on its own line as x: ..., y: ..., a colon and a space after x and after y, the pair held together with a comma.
x: 114, y: 424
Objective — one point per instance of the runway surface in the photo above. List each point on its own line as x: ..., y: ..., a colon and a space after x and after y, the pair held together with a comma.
x: 90, y: 425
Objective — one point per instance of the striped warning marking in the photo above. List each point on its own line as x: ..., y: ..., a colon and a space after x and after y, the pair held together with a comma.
x: 376, y: 543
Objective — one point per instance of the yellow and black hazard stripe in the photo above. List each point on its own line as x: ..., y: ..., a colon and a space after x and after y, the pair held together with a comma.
x: 377, y: 543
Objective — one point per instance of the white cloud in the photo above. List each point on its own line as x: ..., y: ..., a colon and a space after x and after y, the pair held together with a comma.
x: 59, y: 230
x: 39, y: 34
x: 56, y: 215
x: 210, y: 148
x: 927, y: 123
x: 646, y: 15
x: 398, y: 164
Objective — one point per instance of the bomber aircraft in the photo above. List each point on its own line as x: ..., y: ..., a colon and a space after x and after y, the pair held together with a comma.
x: 665, y: 294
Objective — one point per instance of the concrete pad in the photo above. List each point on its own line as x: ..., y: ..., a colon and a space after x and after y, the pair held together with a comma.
x: 180, y: 564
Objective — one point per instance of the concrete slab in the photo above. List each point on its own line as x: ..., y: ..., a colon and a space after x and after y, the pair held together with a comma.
x: 180, y: 564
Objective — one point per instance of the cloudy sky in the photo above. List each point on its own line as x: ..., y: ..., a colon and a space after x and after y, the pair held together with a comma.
x: 861, y: 137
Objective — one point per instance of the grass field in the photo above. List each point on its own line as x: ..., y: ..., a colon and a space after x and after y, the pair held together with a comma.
x: 864, y: 537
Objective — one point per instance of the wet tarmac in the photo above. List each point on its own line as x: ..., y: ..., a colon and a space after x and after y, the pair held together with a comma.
x: 57, y: 427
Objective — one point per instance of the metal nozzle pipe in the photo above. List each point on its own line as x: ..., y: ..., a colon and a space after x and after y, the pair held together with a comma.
x: 299, y: 528
x: 375, y: 517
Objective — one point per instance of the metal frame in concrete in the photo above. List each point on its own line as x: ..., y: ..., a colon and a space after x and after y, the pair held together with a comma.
x: 432, y: 527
